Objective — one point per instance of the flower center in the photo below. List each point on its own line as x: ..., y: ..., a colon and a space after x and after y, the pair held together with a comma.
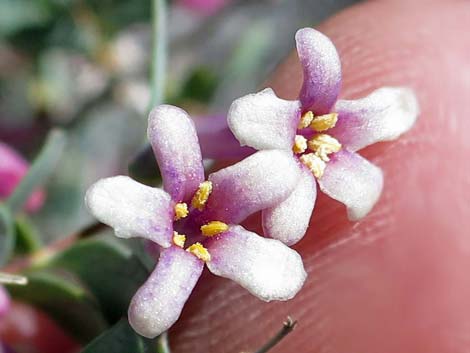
x: 313, y: 152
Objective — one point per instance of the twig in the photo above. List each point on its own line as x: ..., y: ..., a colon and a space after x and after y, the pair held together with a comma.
x: 287, y: 328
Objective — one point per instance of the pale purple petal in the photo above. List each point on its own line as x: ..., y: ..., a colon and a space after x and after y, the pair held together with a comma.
x: 288, y: 221
x: 158, y: 303
x: 257, y: 182
x: 216, y: 139
x: 267, y: 268
x: 322, y: 71
x: 13, y: 167
x: 354, y: 181
x: 383, y: 115
x: 4, y: 302
x: 132, y: 209
x: 264, y: 121
x: 174, y: 141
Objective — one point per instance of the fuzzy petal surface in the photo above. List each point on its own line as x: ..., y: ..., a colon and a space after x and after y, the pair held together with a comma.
x: 257, y: 182
x: 158, y: 303
x: 288, y: 221
x: 322, y: 71
x: 174, y: 141
x: 132, y: 209
x: 264, y: 121
x: 267, y: 268
x: 383, y: 115
x: 354, y: 181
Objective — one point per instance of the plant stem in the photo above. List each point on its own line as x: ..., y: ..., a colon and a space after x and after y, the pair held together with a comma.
x: 287, y: 328
x: 162, y: 343
x: 159, y: 52
x: 7, y: 278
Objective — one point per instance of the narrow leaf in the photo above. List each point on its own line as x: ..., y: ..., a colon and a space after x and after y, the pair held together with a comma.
x: 7, y: 235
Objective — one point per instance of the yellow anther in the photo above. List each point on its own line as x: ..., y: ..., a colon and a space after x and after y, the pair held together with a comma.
x: 300, y: 144
x: 305, y: 120
x: 323, y: 145
x: 200, y: 252
x: 213, y: 228
x: 324, y: 122
x: 202, y: 194
x: 179, y: 239
x: 314, y: 163
x: 181, y: 210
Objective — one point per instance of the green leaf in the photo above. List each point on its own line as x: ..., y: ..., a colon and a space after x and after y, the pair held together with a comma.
x: 65, y: 300
x: 27, y: 237
x: 7, y: 235
x: 41, y: 168
x: 120, y: 339
x: 109, y: 270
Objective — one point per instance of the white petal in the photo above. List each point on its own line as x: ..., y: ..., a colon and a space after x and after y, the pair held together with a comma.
x: 264, y: 121
x: 383, y: 115
x: 132, y: 209
x: 158, y: 303
x: 265, y: 267
x: 354, y: 181
x: 289, y: 220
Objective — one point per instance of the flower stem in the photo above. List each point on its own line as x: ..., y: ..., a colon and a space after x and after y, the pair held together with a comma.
x: 287, y: 328
x: 159, y: 52
x: 7, y: 278
x: 162, y: 343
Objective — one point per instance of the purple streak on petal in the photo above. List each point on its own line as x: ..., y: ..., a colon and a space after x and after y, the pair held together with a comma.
x: 353, y: 181
x: 174, y: 141
x: 288, y: 221
x: 158, y: 303
x: 322, y: 71
x: 13, y: 168
x: 383, y: 115
x: 264, y: 121
x: 216, y: 139
x: 132, y: 209
x: 257, y: 182
x: 267, y: 268
x: 4, y: 302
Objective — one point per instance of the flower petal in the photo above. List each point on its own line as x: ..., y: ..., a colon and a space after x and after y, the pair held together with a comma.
x: 322, y: 71
x: 383, y: 115
x: 158, y: 303
x: 216, y: 139
x: 4, y: 302
x: 265, y: 267
x: 264, y: 121
x: 354, y: 181
x: 174, y: 141
x: 288, y: 221
x: 257, y: 182
x: 132, y: 209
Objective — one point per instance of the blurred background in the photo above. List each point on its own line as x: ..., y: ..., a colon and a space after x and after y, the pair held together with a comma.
x: 84, y: 66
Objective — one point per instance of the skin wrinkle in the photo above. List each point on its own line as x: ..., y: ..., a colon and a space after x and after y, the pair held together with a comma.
x: 405, y: 291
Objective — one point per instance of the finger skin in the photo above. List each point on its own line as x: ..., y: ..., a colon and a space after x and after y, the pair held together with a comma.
x: 398, y: 280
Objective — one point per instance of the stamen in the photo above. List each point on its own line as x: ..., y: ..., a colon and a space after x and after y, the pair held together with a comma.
x: 202, y: 194
x: 323, y: 145
x: 213, y: 228
x: 300, y: 144
x: 305, y: 120
x: 179, y: 239
x: 181, y: 210
x: 200, y: 252
x: 324, y: 122
x: 314, y: 163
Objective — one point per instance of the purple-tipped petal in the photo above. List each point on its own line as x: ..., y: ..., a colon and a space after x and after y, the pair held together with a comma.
x: 322, y: 71
x: 132, y: 209
x: 354, y: 181
x: 265, y: 267
x: 257, y: 182
x: 264, y: 121
x: 383, y: 115
x: 4, y: 302
x: 174, y: 141
x: 216, y: 139
x: 288, y: 221
x: 158, y: 303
